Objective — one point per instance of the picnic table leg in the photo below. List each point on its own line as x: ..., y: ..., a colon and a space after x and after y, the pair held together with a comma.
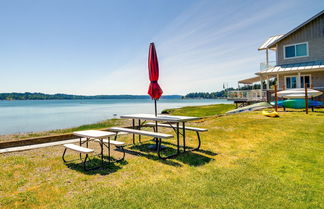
x: 178, y: 140
x: 133, y: 128
x: 157, y: 141
x: 84, y: 163
x: 101, y: 147
x: 199, y: 141
x: 184, y: 136
x: 109, y: 149
x: 64, y: 155
x: 139, y: 128
x: 159, y: 151
x: 80, y: 146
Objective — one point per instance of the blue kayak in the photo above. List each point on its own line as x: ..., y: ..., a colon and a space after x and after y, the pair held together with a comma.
x: 297, y: 103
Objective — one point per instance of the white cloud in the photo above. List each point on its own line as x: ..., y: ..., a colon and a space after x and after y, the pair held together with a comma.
x: 206, y: 46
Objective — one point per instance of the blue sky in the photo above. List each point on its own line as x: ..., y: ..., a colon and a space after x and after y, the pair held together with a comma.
x: 100, y: 47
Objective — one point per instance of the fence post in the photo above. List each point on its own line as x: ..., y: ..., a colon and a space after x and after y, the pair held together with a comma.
x: 276, y: 97
x: 306, y: 99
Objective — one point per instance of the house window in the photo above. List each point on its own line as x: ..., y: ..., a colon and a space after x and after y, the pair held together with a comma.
x: 296, y: 50
x: 291, y: 82
x: 305, y: 79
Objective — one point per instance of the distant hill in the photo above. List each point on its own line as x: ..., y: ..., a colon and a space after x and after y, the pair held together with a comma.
x: 41, y: 96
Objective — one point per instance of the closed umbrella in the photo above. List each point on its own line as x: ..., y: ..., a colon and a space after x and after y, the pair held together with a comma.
x: 154, y: 90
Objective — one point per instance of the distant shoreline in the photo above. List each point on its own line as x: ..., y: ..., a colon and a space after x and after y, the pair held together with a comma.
x: 42, y: 96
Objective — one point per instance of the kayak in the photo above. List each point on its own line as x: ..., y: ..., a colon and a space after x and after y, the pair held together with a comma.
x: 270, y: 113
x: 253, y: 107
x: 297, y: 103
x: 298, y: 93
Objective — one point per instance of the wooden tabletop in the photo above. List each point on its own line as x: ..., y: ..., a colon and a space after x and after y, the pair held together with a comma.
x: 167, y: 118
x: 94, y: 134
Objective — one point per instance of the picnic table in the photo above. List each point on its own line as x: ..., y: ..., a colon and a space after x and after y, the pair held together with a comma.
x: 103, y: 137
x: 170, y: 121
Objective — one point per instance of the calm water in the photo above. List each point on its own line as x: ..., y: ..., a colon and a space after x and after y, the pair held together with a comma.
x: 32, y: 116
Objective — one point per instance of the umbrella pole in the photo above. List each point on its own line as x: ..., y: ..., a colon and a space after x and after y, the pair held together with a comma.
x: 155, y: 107
x: 156, y: 125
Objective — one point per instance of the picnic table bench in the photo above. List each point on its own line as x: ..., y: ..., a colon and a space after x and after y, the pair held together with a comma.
x: 103, y: 137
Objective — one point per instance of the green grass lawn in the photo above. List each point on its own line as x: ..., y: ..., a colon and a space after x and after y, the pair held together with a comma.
x: 246, y: 161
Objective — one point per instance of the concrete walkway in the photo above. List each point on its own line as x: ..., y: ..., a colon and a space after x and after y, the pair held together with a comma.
x: 37, y: 146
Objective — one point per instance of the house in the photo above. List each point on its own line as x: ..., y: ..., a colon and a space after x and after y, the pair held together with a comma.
x: 299, y: 61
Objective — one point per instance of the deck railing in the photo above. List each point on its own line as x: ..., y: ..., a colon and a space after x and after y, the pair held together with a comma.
x: 264, y: 66
x: 247, y: 95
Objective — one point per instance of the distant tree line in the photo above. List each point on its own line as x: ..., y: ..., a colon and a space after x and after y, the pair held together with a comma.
x: 223, y: 93
x: 42, y: 96
x: 207, y: 95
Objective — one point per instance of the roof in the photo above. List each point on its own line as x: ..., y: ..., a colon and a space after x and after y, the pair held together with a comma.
x: 250, y: 80
x: 269, y: 41
x: 297, y: 28
x: 296, y: 67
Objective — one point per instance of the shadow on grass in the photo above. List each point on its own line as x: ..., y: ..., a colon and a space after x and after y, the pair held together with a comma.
x: 95, y: 167
x: 207, y: 152
x: 142, y: 150
x: 194, y: 159
x: 189, y: 158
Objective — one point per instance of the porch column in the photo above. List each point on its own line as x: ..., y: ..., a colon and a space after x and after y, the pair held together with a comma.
x: 261, y: 86
x: 268, y: 83
x: 298, y: 81
x: 278, y: 84
x: 267, y: 59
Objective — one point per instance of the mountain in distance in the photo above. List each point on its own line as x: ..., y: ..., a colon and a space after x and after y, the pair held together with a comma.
x: 42, y: 96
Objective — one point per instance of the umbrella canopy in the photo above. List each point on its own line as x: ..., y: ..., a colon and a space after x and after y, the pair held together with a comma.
x: 154, y: 90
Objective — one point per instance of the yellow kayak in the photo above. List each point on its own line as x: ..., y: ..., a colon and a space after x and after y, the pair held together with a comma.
x: 270, y: 113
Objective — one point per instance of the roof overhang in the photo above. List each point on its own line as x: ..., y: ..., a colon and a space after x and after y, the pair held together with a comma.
x: 269, y: 41
x: 293, y: 68
x: 250, y: 80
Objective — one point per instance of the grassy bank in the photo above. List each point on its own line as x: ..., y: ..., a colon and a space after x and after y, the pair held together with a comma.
x: 246, y: 161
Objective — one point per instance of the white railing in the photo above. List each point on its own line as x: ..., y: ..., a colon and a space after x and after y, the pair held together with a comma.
x: 247, y: 95
x: 264, y: 66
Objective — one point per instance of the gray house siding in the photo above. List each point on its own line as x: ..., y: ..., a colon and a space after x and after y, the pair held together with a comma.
x: 317, y: 79
x: 313, y: 33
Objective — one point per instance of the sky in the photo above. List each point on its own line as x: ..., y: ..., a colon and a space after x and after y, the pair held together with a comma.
x: 101, y: 46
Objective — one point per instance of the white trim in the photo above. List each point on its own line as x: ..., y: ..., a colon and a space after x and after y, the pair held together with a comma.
x: 290, y: 81
x: 310, y: 79
x: 298, y: 80
x: 284, y: 51
x: 300, y: 84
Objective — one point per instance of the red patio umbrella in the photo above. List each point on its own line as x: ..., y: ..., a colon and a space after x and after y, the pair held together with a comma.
x: 154, y: 90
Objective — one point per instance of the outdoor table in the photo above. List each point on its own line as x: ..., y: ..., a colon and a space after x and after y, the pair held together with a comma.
x: 95, y: 134
x: 171, y: 119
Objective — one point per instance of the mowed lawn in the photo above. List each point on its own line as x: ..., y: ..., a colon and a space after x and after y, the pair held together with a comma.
x: 246, y: 161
